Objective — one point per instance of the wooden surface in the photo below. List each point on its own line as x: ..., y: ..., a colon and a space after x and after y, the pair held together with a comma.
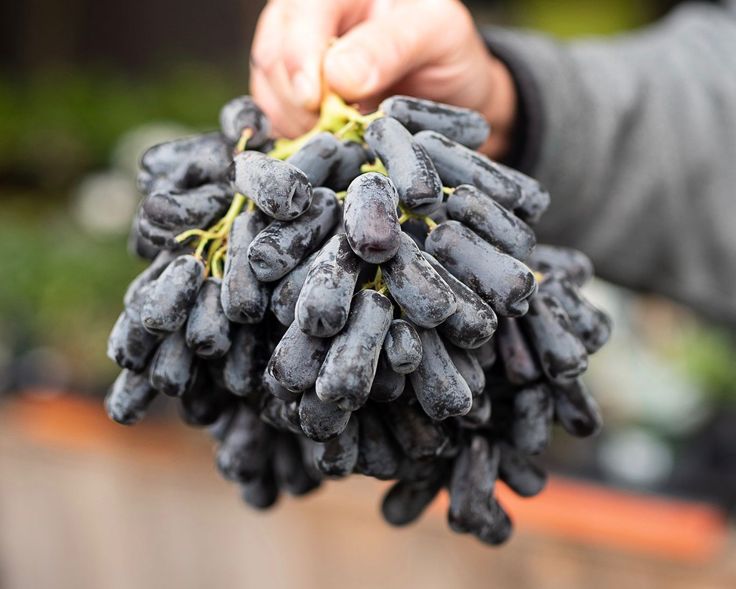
x: 85, y: 503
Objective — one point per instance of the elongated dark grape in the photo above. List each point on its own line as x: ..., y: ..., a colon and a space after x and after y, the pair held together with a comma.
x: 535, y: 199
x: 262, y: 492
x: 281, y: 415
x: 473, y: 323
x: 297, y: 359
x: 244, y: 299
x: 286, y: 293
x: 590, y: 324
x: 350, y: 365
x: 491, y: 221
x: 280, y: 190
x: 138, y: 245
x: 204, y: 403
x: 240, y: 114
x: 532, y: 422
x: 572, y: 263
x: 152, y: 271
x: 195, y: 207
x: 240, y: 372
x: 407, y: 163
x: 324, y: 301
x: 351, y: 156
x: 130, y: 345
x: 129, y: 398
x: 500, y: 280
x: 378, y: 455
x: 321, y: 420
x: 403, y: 347
x: 189, y: 162
x: 208, y: 329
x: 479, y: 414
x: 472, y: 484
x: 456, y: 165
x: 519, y: 363
x: 155, y: 236
x: 418, y: 436
x: 388, y: 385
x: 426, y: 299
x: 405, y: 501
x: 273, y: 387
x: 486, y: 354
x: 437, y: 383
x: 317, y: 157
x: 463, y: 125
x: 496, y: 528
x: 560, y: 353
x: 277, y: 249
x: 173, y: 368
x: 521, y: 474
x: 468, y: 367
x: 337, y: 457
x: 288, y: 467
x: 576, y: 409
x: 247, y: 447
x: 371, y: 222
x: 172, y: 295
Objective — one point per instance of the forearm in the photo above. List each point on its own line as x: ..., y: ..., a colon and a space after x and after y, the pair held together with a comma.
x: 636, y: 140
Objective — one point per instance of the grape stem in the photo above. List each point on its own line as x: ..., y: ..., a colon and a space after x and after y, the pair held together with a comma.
x: 243, y: 141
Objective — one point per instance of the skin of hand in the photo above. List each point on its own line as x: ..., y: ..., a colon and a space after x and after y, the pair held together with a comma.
x: 365, y: 50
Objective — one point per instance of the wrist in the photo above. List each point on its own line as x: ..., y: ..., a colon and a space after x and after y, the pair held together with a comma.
x: 500, y: 110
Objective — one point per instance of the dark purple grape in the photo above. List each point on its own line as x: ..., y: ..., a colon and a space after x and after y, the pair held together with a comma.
x: 208, y: 329
x: 241, y: 370
x: 491, y: 221
x: 173, y: 369
x: 321, y: 420
x: 172, y: 295
x: 350, y: 364
x: 280, y: 190
x: 456, y: 165
x: 408, y: 165
x: 351, y: 157
x: 560, y: 353
x: 129, y: 398
x: 576, y: 409
x: 247, y: 447
x: 590, y: 324
x: 480, y: 413
x: 281, y: 415
x: 243, y: 113
x: 388, y: 385
x: 520, y: 365
x: 535, y: 199
x: 276, y: 250
x: 417, y: 435
x: 317, y: 157
x: 532, y: 419
x: 337, y: 457
x: 244, y: 299
x: 273, y: 387
x: 288, y: 467
x: 516, y: 470
x: 178, y: 209
x: 403, y: 347
x: 297, y: 359
x: 474, y: 322
x: 130, y: 345
x: 437, y: 383
x: 262, y: 492
x: 153, y: 271
x: 468, y: 367
x: 572, y: 263
x: 324, y: 301
x: 486, y: 354
x: 204, y: 403
x: 405, y: 501
x: 286, y: 293
x: 502, y: 281
x: 371, y: 222
x: 463, y: 125
x: 426, y: 299
x: 378, y: 455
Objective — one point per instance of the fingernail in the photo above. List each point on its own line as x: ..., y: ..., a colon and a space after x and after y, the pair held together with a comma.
x: 305, y: 89
x: 353, y: 68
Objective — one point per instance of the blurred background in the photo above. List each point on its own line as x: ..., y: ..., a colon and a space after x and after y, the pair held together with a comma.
x: 85, y: 87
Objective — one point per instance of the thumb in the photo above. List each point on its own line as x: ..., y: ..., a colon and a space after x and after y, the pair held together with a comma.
x: 379, y: 52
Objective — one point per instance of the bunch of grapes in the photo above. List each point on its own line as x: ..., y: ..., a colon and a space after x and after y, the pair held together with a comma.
x: 368, y: 298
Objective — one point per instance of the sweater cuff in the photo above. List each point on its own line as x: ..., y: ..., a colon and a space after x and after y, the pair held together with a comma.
x: 529, y: 128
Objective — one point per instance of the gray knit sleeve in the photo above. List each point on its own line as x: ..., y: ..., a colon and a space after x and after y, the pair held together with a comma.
x: 635, y: 137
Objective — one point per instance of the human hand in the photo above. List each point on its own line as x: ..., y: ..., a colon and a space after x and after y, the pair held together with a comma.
x: 365, y: 50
